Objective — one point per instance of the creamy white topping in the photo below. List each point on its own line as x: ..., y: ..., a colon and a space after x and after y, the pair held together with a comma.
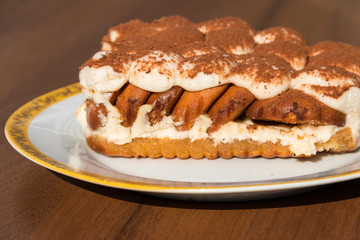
x: 269, y: 35
x: 203, y: 80
x: 241, y: 50
x: 155, y: 72
x: 348, y: 102
x: 353, y: 68
x: 263, y: 78
x: 261, y: 38
x: 261, y: 90
x: 353, y: 121
x: 102, y: 79
x: 113, y: 35
x: 158, y: 72
x: 99, y: 54
x: 203, y: 29
x: 106, y: 46
x: 214, y: 26
x: 200, y: 51
x: 297, y: 63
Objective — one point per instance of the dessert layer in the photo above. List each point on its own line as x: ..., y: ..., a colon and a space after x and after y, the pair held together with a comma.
x: 185, y: 148
x: 173, y: 51
x: 300, y: 140
x: 174, y: 79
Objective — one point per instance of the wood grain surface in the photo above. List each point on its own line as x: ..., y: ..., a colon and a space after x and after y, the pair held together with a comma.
x: 42, y: 44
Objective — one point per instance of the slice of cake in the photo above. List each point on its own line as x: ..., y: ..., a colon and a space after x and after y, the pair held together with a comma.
x: 173, y: 88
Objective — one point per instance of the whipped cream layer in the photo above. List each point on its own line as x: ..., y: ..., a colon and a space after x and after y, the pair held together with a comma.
x: 273, y: 34
x: 158, y: 71
x: 226, y: 23
x: 333, y: 86
x: 155, y: 72
x: 102, y: 79
x: 336, y: 88
x: 167, y: 52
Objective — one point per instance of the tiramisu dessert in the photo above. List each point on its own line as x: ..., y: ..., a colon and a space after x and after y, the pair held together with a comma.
x: 174, y: 88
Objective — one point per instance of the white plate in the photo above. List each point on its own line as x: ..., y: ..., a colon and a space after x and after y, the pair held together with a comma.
x: 45, y: 131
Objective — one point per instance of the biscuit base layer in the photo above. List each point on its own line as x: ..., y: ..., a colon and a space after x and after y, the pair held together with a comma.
x: 342, y: 141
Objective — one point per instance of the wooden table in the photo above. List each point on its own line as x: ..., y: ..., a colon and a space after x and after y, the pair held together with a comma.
x: 42, y: 45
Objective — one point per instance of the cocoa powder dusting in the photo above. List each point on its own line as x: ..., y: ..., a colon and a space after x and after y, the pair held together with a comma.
x: 118, y: 61
x: 180, y: 35
x: 229, y: 23
x: 331, y: 73
x: 208, y: 47
x: 283, y: 34
x: 139, y: 45
x: 229, y: 39
x: 326, y: 46
x: 330, y: 91
x: 284, y: 49
x: 263, y: 68
x: 207, y: 63
x: 348, y: 60
x: 198, y: 48
x: 131, y: 29
x: 170, y: 22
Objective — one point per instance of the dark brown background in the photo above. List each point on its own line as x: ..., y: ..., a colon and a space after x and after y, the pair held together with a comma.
x: 42, y: 44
